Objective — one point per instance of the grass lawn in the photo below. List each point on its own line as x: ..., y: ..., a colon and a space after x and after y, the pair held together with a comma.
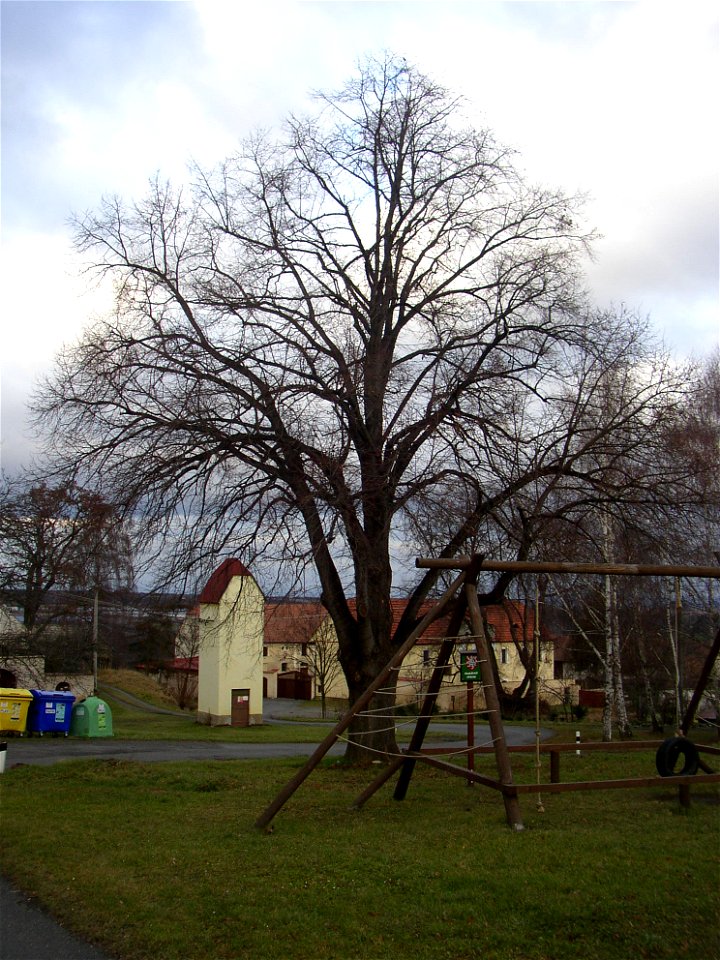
x: 162, y: 861
x: 131, y: 723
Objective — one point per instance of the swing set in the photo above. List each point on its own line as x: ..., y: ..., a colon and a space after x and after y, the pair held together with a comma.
x: 462, y: 597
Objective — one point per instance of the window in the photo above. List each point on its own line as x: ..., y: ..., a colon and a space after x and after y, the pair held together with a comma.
x: 303, y: 649
x: 265, y: 651
x: 504, y: 655
x: 426, y: 657
x: 283, y: 666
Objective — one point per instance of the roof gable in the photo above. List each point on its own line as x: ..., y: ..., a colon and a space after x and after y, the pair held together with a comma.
x: 220, y: 579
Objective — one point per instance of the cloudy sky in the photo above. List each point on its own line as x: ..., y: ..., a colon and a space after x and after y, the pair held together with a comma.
x: 616, y: 99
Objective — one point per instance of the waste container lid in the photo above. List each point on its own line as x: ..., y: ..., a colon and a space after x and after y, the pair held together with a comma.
x: 15, y: 693
x: 53, y: 694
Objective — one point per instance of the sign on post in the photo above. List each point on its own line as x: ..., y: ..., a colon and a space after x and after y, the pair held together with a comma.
x: 470, y: 667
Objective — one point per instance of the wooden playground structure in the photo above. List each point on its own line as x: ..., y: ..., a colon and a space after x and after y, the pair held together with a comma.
x: 461, y: 600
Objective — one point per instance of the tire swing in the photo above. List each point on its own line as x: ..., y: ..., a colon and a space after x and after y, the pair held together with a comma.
x: 670, y: 751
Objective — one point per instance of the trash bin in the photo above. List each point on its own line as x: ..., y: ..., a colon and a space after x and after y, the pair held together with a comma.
x: 50, y: 712
x: 14, y: 705
x: 91, y: 718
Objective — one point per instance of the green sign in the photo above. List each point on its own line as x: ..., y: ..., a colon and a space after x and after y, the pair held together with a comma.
x: 470, y: 667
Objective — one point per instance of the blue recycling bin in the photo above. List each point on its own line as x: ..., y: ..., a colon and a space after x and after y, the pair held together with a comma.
x: 50, y: 712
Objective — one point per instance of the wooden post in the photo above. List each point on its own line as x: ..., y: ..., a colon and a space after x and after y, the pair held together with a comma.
x: 537, y: 566
x: 705, y: 675
x: 554, y: 766
x: 470, y: 727
x: 96, y: 620
x: 492, y: 702
x: 423, y: 721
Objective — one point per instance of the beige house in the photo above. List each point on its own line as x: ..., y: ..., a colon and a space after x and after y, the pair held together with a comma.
x: 230, y: 641
x: 249, y: 649
x: 510, y: 627
x: 299, y: 637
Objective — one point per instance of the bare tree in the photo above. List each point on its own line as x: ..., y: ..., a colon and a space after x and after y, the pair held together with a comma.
x: 322, y: 657
x: 61, y: 538
x: 331, y: 330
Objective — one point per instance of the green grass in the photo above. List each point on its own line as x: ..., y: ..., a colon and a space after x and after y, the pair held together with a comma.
x: 132, y: 724
x: 162, y: 861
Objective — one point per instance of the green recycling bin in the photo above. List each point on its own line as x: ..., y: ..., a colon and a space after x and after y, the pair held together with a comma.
x: 14, y: 704
x: 91, y: 717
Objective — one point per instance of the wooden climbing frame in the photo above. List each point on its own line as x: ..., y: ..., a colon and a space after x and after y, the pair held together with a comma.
x: 464, y: 591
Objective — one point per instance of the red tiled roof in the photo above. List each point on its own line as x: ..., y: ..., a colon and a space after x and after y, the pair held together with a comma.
x: 220, y: 578
x: 296, y: 621
x: 292, y: 621
x: 511, y: 617
x: 436, y: 630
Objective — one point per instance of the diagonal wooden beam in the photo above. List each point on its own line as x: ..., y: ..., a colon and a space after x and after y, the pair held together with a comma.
x: 456, y: 771
x: 705, y: 675
x: 292, y: 785
x: 423, y: 722
x: 492, y: 702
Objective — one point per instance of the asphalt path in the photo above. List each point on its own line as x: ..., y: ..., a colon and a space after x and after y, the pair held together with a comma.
x: 44, y: 751
x: 27, y: 932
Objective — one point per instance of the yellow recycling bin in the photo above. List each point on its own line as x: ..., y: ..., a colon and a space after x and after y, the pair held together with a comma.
x: 14, y: 705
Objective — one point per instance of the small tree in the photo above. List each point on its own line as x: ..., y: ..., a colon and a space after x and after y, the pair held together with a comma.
x: 324, y: 662
x: 183, y: 685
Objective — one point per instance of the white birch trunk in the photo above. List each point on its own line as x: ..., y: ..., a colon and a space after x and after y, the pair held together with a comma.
x: 618, y: 687
x: 608, y: 666
x: 676, y: 664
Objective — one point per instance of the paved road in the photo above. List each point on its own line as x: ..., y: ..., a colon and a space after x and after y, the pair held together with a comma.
x: 44, y: 751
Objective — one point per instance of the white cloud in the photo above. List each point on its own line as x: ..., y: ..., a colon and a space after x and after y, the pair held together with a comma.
x: 616, y: 99
x: 46, y: 299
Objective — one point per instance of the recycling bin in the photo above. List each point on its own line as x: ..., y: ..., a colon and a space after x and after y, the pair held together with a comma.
x: 91, y: 717
x: 14, y: 703
x: 50, y: 712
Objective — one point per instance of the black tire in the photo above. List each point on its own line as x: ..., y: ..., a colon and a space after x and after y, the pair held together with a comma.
x: 670, y: 751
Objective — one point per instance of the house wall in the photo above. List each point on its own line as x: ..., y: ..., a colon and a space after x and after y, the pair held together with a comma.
x: 417, y: 668
x: 231, y: 648
x: 29, y: 672
x: 280, y: 658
